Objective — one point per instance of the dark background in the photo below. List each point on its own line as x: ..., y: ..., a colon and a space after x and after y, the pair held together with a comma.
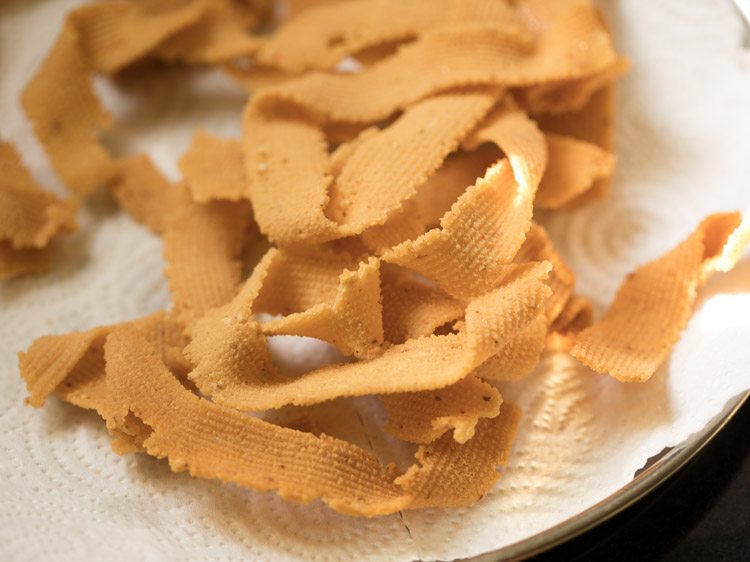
x: 701, y: 513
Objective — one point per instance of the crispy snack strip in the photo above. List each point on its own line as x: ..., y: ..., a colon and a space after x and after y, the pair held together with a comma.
x: 452, y: 475
x: 352, y: 322
x: 422, y: 417
x: 324, y: 35
x: 29, y: 216
x: 214, y: 169
x: 570, y: 95
x: 203, y: 245
x: 381, y: 175
x: 14, y: 262
x: 575, y: 46
x: 414, y: 309
x: 519, y: 356
x: 142, y: 190
x: 653, y: 305
x: 234, y: 367
x: 574, y: 318
x: 539, y: 247
x: 220, y: 35
x: 116, y: 33
x: 66, y: 115
x: 574, y: 167
x: 470, y: 253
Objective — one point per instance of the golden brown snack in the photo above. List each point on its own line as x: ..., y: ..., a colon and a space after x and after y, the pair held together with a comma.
x: 654, y: 303
x: 213, y: 168
x: 326, y: 33
x: 574, y: 167
x: 574, y: 318
x: 519, y: 356
x: 203, y: 245
x: 66, y: 115
x: 450, y: 58
x: 422, y: 417
x: 14, y: 262
x: 142, y: 190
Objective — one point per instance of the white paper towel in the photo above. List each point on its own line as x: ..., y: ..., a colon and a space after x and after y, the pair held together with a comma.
x: 683, y: 145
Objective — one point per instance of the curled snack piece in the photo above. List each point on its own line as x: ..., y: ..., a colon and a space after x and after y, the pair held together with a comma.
x: 470, y: 253
x: 453, y: 475
x: 203, y: 245
x: 414, y: 309
x: 213, y: 168
x: 653, y: 305
x: 381, y: 175
x: 519, y: 356
x: 142, y: 190
x: 325, y: 34
x: 574, y: 318
x: 14, y: 262
x: 29, y: 216
x: 574, y: 167
x: 422, y: 417
x: 576, y: 45
x: 234, y: 367
x: 352, y: 322
x: 116, y: 33
x: 66, y: 115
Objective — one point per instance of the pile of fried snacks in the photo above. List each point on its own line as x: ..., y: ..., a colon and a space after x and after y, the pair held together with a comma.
x: 392, y: 157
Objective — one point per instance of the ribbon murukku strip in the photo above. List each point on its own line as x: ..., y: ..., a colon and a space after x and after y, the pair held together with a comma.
x: 574, y: 167
x: 519, y: 356
x: 352, y: 322
x: 576, y: 45
x: 234, y: 367
x: 325, y: 34
x: 423, y: 417
x: 142, y: 190
x: 203, y: 245
x: 29, y: 216
x: 574, y: 318
x: 654, y: 303
x: 15, y: 262
x: 213, y: 168
x: 66, y: 115
x: 478, y: 238
x: 414, y: 309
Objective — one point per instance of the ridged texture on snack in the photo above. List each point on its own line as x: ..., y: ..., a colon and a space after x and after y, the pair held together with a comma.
x: 329, y: 32
x: 203, y: 245
x: 519, y: 356
x: 414, y: 309
x: 574, y: 167
x: 221, y: 34
x: 388, y: 167
x: 471, y: 251
x: 654, y: 303
x: 539, y: 247
x: 289, y: 156
x: 142, y: 190
x: 213, y: 168
x: 576, y: 45
x: 116, y: 33
x: 294, y: 282
x: 570, y: 95
x: 422, y: 417
x: 352, y: 322
x: 574, y: 318
x: 66, y: 115
x: 212, y: 441
x: 15, y: 262
x: 50, y: 359
x: 29, y: 216
x: 234, y: 367
x: 454, y: 475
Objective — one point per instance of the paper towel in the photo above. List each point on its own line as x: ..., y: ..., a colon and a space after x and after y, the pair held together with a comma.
x: 683, y: 145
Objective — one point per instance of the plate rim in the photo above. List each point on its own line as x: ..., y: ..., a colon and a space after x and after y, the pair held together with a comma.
x: 639, y: 487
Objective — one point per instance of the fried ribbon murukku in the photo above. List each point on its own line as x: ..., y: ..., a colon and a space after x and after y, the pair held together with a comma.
x: 213, y: 168
x: 654, y: 303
